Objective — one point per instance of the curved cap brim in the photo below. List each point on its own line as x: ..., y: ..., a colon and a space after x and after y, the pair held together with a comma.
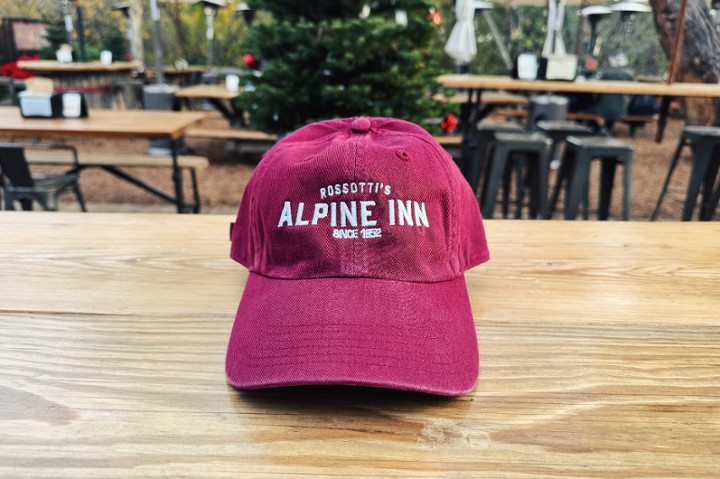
x: 355, y: 332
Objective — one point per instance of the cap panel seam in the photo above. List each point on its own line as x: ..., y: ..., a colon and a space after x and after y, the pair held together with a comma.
x: 256, y: 212
x: 357, y: 245
x: 446, y: 164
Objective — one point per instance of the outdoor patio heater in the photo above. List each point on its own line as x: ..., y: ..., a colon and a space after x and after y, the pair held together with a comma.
x: 80, y: 24
x: 124, y: 8
x: 210, y: 8
x: 68, y: 20
x: 594, y: 14
x: 628, y: 11
x: 247, y: 12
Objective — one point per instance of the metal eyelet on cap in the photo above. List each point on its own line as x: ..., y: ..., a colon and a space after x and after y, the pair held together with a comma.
x: 403, y: 155
x: 360, y: 125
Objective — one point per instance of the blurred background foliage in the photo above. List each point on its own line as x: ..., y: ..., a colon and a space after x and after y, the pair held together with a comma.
x: 326, y: 59
x: 182, y: 27
x: 521, y: 28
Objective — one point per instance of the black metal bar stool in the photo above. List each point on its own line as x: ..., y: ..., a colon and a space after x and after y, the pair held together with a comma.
x: 575, y: 174
x: 528, y: 155
x: 558, y: 131
x: 703, y: 141
x: 476, y: 146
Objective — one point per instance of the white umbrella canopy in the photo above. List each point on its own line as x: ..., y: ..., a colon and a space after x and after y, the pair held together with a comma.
x: 554, y: 44
x: 462, y: 44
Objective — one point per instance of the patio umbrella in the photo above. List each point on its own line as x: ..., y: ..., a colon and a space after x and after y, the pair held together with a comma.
x: 554, y: 44
x: 462, y: 44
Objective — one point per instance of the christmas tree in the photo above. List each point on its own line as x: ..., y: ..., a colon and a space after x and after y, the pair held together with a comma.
x: 340, y: 58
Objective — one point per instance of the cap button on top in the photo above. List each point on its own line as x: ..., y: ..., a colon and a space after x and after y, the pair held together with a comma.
x: 360, y: 125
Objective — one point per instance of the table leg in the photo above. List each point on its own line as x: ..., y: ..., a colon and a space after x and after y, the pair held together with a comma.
x: 662, y: 121
x: 465, y: 113
x: 177, y: 179
x: 715, y: 202
x: 471, y: 112
x: 232, y: 114
x: 470, y: 115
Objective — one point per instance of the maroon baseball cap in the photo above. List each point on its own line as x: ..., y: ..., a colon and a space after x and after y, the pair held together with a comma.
x: 357, y: 233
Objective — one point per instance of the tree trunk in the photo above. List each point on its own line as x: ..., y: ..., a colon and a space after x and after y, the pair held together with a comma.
x: 699, y: 59
x: 136, y: 16
x: 180, y: 31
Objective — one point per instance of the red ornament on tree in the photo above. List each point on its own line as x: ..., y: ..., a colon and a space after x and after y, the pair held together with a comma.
x: 449, y: 123
x: 434, y: 16
x: 250, y: 61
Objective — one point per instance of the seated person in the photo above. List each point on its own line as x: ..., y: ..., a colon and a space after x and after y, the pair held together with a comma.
x: 643, y: 105
x: 610, y: 106
x: 584, y: 102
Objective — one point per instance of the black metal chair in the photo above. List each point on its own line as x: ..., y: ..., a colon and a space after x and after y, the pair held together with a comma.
x: 704, y: 142
x: 528, y: 155
x: 558, y: 131
x: 575, y: 174
x: 477, y: 145
x: 19, y: 184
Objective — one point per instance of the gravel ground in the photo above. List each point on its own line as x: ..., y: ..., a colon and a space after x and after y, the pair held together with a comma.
x: 223, y: 183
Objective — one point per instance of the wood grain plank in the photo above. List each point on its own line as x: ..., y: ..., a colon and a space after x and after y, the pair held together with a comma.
x: 600, y: 356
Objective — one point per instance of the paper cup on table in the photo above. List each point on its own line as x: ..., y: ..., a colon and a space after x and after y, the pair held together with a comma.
x: 64, y: 55
x: 232, y: 83
x: 71, y: 105
x: 106, y: 57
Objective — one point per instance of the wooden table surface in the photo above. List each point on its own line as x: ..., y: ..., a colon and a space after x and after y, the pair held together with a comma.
x: 102, y: 123
x: 52, y: 66
x: 600, y: 357
x: 219, y: 92
x: 219, y: 97
x: 589, y: 86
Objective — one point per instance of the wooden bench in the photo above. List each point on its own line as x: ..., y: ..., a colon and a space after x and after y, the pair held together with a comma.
x: 493, y: 98
x: 113, y: 162
x: 511, y: 113
x: 449, y: 140
x: 522, y: 114
x: 633, y: 121
x: 249, y: 140
x: 638, y: 121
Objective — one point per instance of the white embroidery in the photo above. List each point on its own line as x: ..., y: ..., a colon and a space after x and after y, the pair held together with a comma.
x: 352, y: 219
x: 372, y: 187
x: 408, y: 213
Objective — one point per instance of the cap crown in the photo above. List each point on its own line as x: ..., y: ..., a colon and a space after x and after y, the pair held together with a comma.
x: 359, y: 197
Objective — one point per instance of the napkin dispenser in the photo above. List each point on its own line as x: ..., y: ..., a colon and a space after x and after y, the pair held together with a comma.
x: 42, y: 104
x: 558, y: 67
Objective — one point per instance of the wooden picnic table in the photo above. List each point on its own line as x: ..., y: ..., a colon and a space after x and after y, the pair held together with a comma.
x: 598, y: 344
x: 219, y: 96
x: 476, y: 84
x: 183, y: 76
x: 171, y: 125
x: 94, y: 79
